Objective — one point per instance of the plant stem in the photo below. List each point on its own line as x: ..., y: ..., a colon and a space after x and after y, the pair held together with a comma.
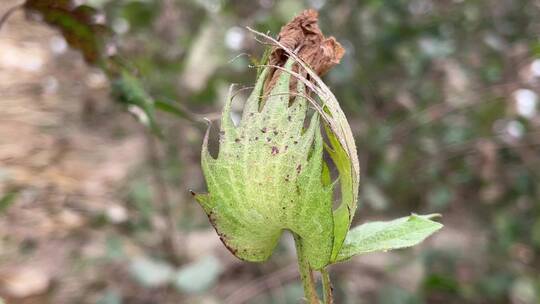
x: 327, y: 287
x: 9, y: 12
x: 306, y: 272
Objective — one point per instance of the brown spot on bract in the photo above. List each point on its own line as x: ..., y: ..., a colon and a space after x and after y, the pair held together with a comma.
x: 232, y: 250
x: 212, y: 219
x: 299, y: 168
x: 263, y: 130
x: 275, y: 150
x: 237, y: 140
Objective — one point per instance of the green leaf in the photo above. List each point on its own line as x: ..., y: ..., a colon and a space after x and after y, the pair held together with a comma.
x: 129, y: 90
x: 262, y: 61
x: 382, y: 236
x: 7, y: 200
x: 343, y: 215
x: 268, y: 178
x: 77, y: 23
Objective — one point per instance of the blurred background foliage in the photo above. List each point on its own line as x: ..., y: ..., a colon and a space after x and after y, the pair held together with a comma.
x: 442, y: 97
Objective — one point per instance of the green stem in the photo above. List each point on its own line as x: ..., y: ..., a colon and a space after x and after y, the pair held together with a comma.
x: 327, y: 287
x: 306, y: 273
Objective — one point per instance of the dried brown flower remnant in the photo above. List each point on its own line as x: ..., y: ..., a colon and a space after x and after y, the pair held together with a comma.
x: 303, y: 36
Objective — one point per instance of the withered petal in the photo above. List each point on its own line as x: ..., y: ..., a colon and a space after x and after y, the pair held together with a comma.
x: 303, y: 35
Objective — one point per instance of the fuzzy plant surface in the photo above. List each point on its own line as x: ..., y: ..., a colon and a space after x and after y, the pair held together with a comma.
x: 268, y: 178
x: 270, y: 174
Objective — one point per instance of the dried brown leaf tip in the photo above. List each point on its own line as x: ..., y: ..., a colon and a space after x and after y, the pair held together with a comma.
x: 303, y: 35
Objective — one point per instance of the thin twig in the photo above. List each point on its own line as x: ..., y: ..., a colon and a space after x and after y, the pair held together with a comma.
x: 9, y: 12
x: 238, y: 56
x: 328, y: 290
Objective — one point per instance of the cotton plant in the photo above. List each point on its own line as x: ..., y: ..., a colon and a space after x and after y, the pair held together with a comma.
x: 270, y: 174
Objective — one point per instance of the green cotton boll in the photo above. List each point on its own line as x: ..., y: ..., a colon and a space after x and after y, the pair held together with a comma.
x: 268, y: 177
